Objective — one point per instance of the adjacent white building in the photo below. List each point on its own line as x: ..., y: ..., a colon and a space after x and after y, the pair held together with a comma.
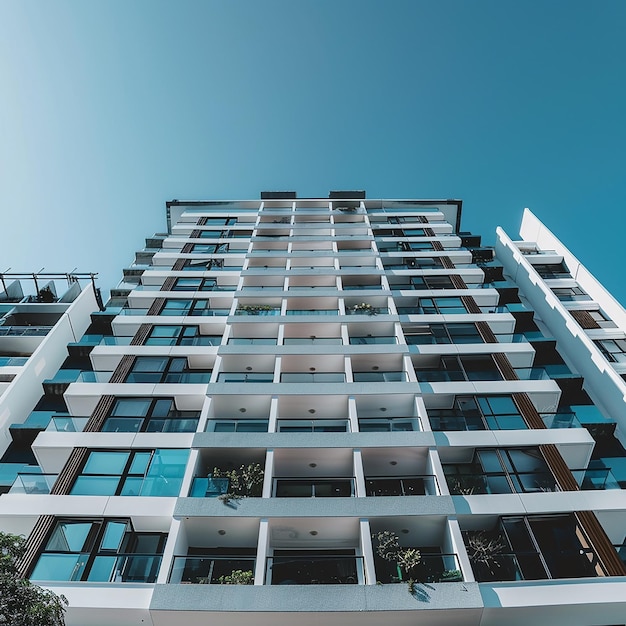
x: 278, y: 386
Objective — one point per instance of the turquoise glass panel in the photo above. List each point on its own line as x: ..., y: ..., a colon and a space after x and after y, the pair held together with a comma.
x: 95, y: 486
x: 106, y: 463
x: 59, y: 567
x: 102, y: 569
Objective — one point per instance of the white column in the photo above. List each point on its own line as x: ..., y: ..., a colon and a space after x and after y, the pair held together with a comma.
x: 367, y: 552
x: 261, y: 552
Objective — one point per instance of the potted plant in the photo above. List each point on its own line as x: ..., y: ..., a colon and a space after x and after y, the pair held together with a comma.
x: 363, y: 308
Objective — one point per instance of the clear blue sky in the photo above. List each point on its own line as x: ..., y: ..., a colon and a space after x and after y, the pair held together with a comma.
x: 110, y: 108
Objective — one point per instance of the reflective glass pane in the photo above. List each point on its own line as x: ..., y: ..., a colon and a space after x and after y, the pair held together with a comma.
x: 113, y: 535
x: 139, y: 463
x: 95, y: 486
x: 132, y: 486
x: 59, y: 567
x: 131, y: 407
x: 69, y: 537
x: 106, y: 463
x: 102, y: 569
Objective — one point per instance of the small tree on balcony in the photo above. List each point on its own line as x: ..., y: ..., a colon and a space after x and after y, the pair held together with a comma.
x: 21, y: 602
x: 388, y: 548
x: 245, y: 482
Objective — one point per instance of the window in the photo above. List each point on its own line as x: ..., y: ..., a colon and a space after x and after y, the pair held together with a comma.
x: 132, y: 473
x: 442, y: 333
x: 569, y: 294
x: 195, y: 284
x: 191, y: 307
x: 613, y: 349
x: 153, y: 415
x: 501, y: 470
x: 602, y: 320
x: 478, y: 413
x: 209, y: 248
x: 103, y: 550
x: 157, y: 369
x: 552, y: 270
x: 442, y: 305
x: 431, y: 282
x: 218, y: 221
x: 457, y: 368
x: 212, y: 234
x: 166, y: 335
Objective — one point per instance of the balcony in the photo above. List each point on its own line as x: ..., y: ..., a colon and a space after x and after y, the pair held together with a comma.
x: 313, y: 488
x: 297, y: 568
x: 401, y: 486
x: 532, y: 548
x: 211, y: 570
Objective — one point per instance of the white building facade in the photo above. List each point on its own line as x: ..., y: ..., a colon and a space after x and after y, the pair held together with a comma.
x: 336, y: 408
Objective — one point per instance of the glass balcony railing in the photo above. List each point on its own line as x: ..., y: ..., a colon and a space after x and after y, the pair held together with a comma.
x: 595, y: 479
x: 313, y: 488
x: 312, y: 312
x: 314, y: 570
x: 312, y: 341
x: 313, y: 426
x: 312, y: 377
x: 460, y: 422
x: 375, y: 377
x: 362, y: 341
x: 468, y: 484
x: 391, y: 424
x: 260, y: 310
x: 24, y: 331
x: 245, y: 377
x: 401, y: 486
x: 33, y: 483
x: 252, y: 341
x: 208, y: 487
x: 432, y: 568
x: 210, y: 570
x: 561, y: 420
x: 237, y: 425
x: 67, y: 424
x: 13, y: 361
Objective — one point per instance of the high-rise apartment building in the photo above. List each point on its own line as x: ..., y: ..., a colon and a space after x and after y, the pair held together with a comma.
x: 341, y: 409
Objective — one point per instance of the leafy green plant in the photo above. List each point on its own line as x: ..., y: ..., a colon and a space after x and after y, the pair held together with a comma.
x: 255, y: 309
x: 388, y: 548
x: 244, y: 482
x: 363, y: 308
x: 237, y: 577
x: 21, y: 602
x: 451, y: 575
